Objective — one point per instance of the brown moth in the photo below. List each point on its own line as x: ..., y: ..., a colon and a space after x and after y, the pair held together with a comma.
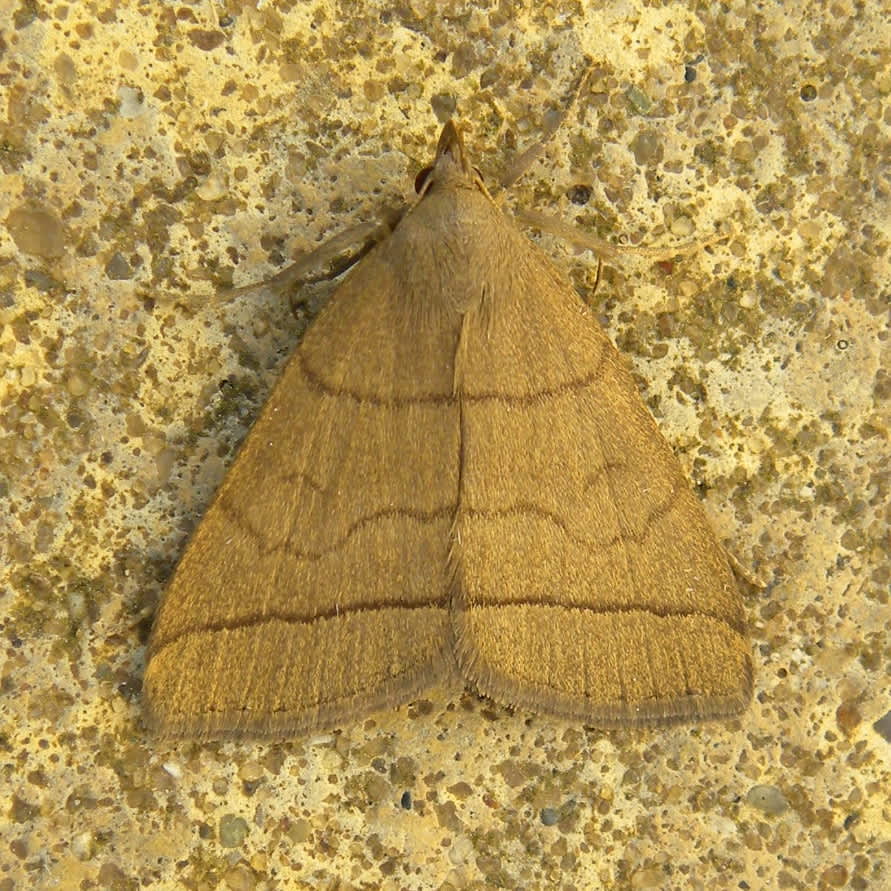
x: 454, y: 479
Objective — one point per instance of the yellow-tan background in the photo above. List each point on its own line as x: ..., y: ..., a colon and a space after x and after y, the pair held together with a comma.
x: 152, y: 153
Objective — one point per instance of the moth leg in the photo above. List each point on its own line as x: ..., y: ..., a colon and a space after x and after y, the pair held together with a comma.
x: 609, y: 252
x: 603, y: 250
x: 524, y: 161
x: 748, y: 574
x: 328, y: 260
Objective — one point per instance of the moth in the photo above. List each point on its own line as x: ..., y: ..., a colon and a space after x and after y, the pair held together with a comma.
x: 455, y: 480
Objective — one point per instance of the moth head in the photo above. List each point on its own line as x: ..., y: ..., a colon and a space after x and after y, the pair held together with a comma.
x: 451, y: 165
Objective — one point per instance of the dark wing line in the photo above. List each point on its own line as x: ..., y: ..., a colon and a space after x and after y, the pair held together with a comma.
x: 315, y: 381
x: 518, y: 509
x: 302, y: 476
x: 255, y: 619
x: 444, y: 603
x: 522, y: 508
x: 579, y: 383
x: 311, y: 556
x: 448, y: 511
x: 610, y: 609
x: 554, y: 392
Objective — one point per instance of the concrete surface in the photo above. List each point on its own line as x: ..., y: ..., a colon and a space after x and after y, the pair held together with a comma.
x: 152, y: 154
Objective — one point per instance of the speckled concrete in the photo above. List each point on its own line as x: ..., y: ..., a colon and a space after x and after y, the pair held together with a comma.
x: 153, y: 153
